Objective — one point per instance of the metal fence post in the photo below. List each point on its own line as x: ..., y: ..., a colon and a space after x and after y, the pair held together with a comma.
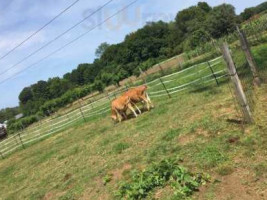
x: 237, y: 84
x: 107, y: 95
x: 51, y: 124
x: 214, y: 75
x: 246, y: 48
x: 162, y: 71
x: 67, y: 115
x: 127, y: 88
x: 180, y: 65
x: 165, y: 88
x: 16, y: 140
x: 142, y: 73
x: 91, y: 103
x: 21, y: 142
x: 80, y: 108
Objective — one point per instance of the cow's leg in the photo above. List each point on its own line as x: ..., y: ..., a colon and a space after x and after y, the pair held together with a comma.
x: 149, y: 100
x: 146, y: 101
x: 132, y: 109
x: 124, y: 115
x: 118, y: 116
x: 137, y: 108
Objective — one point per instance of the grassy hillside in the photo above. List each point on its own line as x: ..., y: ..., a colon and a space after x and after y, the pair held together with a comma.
x: 200, y: 128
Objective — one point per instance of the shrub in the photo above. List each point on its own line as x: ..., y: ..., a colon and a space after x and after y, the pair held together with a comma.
x: 160, y: 174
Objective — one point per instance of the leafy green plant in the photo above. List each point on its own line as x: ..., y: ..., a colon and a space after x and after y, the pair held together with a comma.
x: 106, y: 179
x: 166, y: 172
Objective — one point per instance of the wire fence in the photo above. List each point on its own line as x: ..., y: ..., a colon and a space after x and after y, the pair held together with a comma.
x: 192, y: 78
x: 174, y: 83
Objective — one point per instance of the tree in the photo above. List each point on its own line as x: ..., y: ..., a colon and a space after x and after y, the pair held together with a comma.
x: 40, y: 90
x: 101, y: 49
x: 248, y: 13
x: 99, y: 86
x: 25, y: 95
x: 8, y: 113
x: 192, y: 19
x: 222, y: 20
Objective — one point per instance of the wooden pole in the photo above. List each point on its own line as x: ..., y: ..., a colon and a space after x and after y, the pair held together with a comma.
x: 214, y: 75
x: 165, y: 88
x: 237, y: 84
x: 246, y: 48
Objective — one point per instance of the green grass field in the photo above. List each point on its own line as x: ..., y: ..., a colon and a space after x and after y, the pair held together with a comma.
x: 200, y: 128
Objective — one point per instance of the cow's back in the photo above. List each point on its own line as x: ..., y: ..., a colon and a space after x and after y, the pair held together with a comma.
x: 136, y: 93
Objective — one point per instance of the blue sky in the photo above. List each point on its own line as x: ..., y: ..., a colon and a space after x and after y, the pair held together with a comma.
x: 20, y: 18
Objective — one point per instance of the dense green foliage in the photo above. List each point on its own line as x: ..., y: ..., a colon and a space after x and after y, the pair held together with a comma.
x: 140, y: 49
x: 8, y: 113
x: 17, y: 125
x: 166, y: 172
x: 193, y: 27
x: 249, y: 12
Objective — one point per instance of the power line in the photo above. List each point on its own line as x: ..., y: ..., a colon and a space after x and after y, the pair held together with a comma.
x: 40, y: 29
x: 72, y: 41
x: 56, y: 38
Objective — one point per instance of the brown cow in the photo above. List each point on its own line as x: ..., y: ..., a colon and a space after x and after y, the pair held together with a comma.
x: 119, y: 107
x: 139, y: 94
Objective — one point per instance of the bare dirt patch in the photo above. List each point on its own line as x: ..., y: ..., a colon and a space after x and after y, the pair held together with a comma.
x: 53, y: 195
x: 191, y: 137
x: 96, y: 192
x: 118, y: 173
x: 240, y: 185
x: 186, y: 139
x: 67, y: 177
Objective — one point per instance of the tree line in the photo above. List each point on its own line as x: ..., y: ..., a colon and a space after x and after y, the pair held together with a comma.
x: 142, y: 49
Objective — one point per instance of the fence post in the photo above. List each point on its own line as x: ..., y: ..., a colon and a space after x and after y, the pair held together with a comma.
x: 214, y: 75
x: 246, y: 48
x: 162, y: 71
x: 91, y: 103
x: 80, y: 108
x: 21, y: 142
x: 114, y: 94
x: 237, y: 84
x: 127, y: 88
x: 107, y: 96
x: 51, y: 124
x: 143, y: 75
x: 180, y: 65
x: 22, y: 127
x: 165, y: 88
x: 16, y: 140
x: 67, y: 115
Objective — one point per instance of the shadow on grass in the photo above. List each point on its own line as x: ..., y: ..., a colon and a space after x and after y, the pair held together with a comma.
x: 235, y: 121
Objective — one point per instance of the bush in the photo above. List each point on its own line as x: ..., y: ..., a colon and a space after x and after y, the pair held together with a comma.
x: 16, y: 125
x: 160, y: 174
